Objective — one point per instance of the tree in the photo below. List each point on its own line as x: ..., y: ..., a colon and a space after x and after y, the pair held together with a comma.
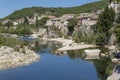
x: 26, y: 20
x: 37, y: 22
x: 23, y: 29
x: 9, y: 24
x: 117, y: 29
x: 76, y: 36
x: 72, y: 23
x: 1, y: 23
x: 104, y: 24
x: 118, y: 16
x: 104, y: 67
x: 41, y: 22
x: 117, y: 32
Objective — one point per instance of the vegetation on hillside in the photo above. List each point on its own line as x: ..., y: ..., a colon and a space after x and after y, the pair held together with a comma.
x: 30, y: 12
x: 22, y: 29
x: 104, y: 25
x: 71, y: 24
x: 41, y: 22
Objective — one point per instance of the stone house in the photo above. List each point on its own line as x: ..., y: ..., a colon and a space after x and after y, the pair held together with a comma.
x: 87, y: 19
x: 58, y: 22
x: 68, y: 16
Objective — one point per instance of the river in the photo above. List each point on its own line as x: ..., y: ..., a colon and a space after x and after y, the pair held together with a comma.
x: 52, y: 66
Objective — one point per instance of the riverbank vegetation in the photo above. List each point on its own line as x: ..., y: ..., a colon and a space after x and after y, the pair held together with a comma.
x: 104, y: 67
x: 102, y: 32
x: 8, y: 41
x: 104, y: 26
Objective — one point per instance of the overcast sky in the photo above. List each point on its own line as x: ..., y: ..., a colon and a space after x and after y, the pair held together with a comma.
x: 9, y: 6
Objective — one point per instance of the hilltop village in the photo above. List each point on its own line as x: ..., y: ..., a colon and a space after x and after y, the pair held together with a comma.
x: 78, y: 27
x: 98, y: 27
x: 81, y: 20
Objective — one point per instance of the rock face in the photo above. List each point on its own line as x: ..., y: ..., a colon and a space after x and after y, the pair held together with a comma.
x: 116, y: 74
x: 9, y: 58
x: 92, y: 52
x: 112, y: 40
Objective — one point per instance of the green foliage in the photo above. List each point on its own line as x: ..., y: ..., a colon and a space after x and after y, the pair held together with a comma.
x: 118, y: 17
x: 26, y: 21
x: 76, y: 36
x: 58, y: 11
x: 72, y: 23
x: 8, y: 41
x: 104, y: 24
x: 7, y: 30
x: 104, y: 67
x: 117, y: 26
x: 101, y: 39
x: 56, y: 30
x: 37, y: 22
x: 1, y: 23
x: 90, y: 39
x: 73, y: 54
x: 23, y: 29
x: 118, y: 20
x: 41, y: 22
x: 10, y: 30
x: 104, y: 49
x: 105, y: 20
x: 117, y: 32
x: 80, y: 36
x: 9, y: 24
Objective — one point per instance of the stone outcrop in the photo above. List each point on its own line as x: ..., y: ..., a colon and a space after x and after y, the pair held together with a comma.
x: 114, y: 76
x: 10, y: 58
x: 92, y: 52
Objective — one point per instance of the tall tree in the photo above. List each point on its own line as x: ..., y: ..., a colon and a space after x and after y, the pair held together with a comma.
x: 118, y: 16
x: 26, y: 20
x: 104, y: 24
x: 37, y: 22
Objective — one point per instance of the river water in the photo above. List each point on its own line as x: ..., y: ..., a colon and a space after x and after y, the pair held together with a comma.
x: 52, y: 66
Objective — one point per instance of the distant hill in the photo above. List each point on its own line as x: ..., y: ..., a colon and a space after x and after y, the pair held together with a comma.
x: 57, y: 11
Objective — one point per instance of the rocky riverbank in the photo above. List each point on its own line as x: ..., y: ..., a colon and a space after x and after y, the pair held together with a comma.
x: 70, y: 44
x: 115, y: 74
x: 10, y: 58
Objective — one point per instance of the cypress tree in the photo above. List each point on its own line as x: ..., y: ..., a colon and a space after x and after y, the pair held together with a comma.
x: 26, y: 20
x: 118, y: 16
x: 104, y: 24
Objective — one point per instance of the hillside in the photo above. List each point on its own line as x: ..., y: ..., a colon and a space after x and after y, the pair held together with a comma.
x: 57, y: 11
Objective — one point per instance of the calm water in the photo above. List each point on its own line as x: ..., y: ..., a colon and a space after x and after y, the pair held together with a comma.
x: 53, y: 67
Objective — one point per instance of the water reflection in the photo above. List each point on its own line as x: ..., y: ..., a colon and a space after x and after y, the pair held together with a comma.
x: 102, y: 65
x: 76, y: 54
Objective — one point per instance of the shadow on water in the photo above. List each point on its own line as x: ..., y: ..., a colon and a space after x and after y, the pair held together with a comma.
x: 103, y: 66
